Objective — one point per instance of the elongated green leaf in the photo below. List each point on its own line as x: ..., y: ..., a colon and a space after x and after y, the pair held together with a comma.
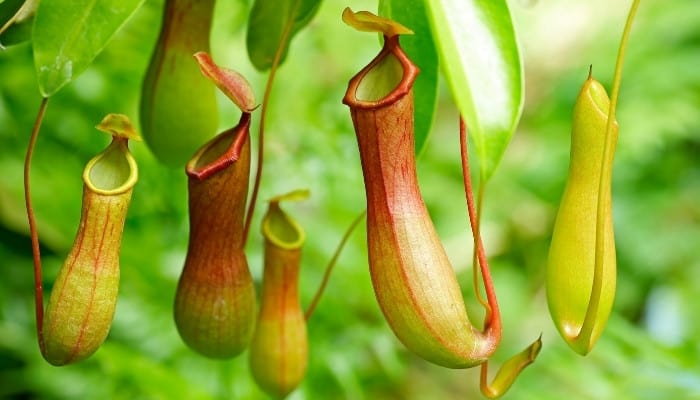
x: 480, y: 59
x: 271, y: 26
x: 421, y: 49
x: 68, y: 35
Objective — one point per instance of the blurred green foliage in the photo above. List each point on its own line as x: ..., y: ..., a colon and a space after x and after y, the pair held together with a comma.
x: 649, y: 350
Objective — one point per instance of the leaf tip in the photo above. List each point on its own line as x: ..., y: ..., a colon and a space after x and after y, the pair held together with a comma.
x: 509, y: 371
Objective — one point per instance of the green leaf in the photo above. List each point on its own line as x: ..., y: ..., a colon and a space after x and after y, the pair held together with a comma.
x: 480, y: 59
x: 271, y: 26
x: 16, y: 33
x: 421, y: 49
x: 8, y: 9
x: 68, y: 35
x: 16, y: 19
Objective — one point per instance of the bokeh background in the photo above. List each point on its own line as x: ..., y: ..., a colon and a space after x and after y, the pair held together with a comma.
x: 649, y: 350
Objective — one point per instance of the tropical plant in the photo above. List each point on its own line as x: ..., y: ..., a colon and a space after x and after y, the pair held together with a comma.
x: 515, y: 94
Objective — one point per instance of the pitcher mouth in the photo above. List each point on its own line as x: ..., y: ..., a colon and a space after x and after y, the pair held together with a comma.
x: 220, y: 152
x: 386, y: 79
x: 113, y: 171
x: 282, y: 230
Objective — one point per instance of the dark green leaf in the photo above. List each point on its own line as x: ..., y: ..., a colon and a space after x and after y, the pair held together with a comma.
x: 16, y: 18
x: 421, y: 49
x: 8, y: 9
x: 481, y: 61
x: 68, y: 35
x: 272, y: 25
x: 17, y: 33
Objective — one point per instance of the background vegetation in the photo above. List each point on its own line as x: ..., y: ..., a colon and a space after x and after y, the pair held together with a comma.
x: 650, y: 349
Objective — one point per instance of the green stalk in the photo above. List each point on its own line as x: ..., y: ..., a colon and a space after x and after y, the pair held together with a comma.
x: 331, y: 264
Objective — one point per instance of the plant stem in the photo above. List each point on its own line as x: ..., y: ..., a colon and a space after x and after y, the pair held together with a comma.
x: 332, y: 263
x: 33, y: 233
x: 479, y: 201
x: 284, y: 40
x: 605, y: 174
x: 493, y: 315
x: 475, y: 274
x: 261, y: 153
